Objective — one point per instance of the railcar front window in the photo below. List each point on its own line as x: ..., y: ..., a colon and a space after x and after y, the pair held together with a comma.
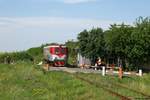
x: 57, y: 51
x: 63, y: 50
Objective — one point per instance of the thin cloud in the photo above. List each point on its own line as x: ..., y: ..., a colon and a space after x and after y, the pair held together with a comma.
x: 77, y: 1
x: 19, y: 33
x: 53, y: 23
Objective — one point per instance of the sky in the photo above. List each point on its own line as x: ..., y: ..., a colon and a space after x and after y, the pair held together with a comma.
x: 30, y: 23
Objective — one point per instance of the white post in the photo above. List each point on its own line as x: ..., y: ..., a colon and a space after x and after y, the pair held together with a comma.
x: 140, y: 72
x: 103, y: 71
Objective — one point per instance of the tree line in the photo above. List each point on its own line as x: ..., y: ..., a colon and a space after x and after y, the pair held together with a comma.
x: 130, y: 44
x: 34, y: 54
x: 13, y: 57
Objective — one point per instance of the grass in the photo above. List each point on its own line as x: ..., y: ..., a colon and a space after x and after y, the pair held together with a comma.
x: 26, y: 81
x: 140, y: 84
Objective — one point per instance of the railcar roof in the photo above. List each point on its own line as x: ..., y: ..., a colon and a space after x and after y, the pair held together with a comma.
x: 55, y: 46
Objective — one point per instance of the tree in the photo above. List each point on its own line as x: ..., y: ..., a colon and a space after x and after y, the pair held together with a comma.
x: 83, y: 38
x: 117, y: 42
x: 91, y: 43
x: 140, y: 42
x: 130, y: 44
x: 72, y: 51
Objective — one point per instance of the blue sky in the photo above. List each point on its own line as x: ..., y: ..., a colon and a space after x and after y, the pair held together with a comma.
x: 29, y: 23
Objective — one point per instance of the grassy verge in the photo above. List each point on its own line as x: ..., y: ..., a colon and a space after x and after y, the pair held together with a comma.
x: 140, y: 84
x: 25, y: 81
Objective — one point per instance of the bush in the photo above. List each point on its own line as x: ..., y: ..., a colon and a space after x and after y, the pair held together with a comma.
x: 15, y: 56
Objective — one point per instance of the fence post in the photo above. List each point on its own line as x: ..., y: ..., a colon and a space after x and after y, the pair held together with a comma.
x: 103, y: 71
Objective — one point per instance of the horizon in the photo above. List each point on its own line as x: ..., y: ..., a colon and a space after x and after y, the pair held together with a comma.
x: 30, y: 23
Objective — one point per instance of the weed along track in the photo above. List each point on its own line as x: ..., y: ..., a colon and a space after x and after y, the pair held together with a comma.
x: 133, y: 90
x: 111, y: 85
x: 104, y: 88
x: 123, y: 92
x: 146, y: 96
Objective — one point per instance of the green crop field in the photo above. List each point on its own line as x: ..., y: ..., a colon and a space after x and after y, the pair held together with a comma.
x: 26, y: 81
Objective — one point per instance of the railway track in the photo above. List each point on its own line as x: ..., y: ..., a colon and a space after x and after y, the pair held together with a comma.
x: 110, y: 86
x: 104, y: 88
x: 133, y: 90
x: 127, y: 88
x: 110, y: 90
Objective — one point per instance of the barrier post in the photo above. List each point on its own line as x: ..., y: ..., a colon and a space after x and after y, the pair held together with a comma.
x: 140, y: 72
x: 120, y: 72
x: 103, y: 71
